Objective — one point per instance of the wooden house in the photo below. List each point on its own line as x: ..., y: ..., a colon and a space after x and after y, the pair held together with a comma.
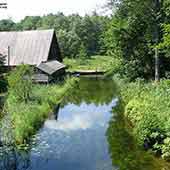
x: 37, y: 48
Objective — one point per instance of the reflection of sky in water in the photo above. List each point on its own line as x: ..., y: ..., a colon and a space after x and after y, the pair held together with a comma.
x: 74, y: 117
x: 76, y: 141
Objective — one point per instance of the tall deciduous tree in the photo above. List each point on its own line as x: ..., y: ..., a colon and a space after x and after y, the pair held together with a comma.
x: 158, y: 21
x: 139, y: 41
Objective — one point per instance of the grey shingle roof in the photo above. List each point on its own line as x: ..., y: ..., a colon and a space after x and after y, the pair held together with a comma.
x: 51, y: 67
x: 27, y: 47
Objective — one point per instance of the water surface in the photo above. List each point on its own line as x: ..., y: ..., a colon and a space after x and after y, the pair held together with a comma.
x: 74, y: 137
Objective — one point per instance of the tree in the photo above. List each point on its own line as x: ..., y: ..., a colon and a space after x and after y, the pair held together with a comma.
x: 139, y: 40
x: 30, y: 22
x: 69, y: 43
x: 7, y: 25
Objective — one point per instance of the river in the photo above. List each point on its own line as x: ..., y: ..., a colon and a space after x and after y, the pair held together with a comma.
x: 83, y: 133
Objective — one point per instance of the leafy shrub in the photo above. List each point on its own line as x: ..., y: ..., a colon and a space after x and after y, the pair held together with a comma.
x: 166, y: 148
x: 20, y: 82
x: 147, y: 106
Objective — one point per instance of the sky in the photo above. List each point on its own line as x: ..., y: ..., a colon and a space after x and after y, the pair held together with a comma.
x: 18, y: 9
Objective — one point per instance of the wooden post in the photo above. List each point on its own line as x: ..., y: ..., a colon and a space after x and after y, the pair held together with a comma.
x: 8, y: 56
x: 157, y: 65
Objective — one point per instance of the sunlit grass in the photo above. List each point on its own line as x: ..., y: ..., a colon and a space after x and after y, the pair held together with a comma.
x: 99, y: 63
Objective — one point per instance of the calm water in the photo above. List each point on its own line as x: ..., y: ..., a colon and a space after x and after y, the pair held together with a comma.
x: 83, y: 134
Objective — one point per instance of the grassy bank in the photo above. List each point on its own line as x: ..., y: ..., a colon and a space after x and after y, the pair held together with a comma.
x: 99, y: 63
x: 147, y: 107
x: 28, y: 117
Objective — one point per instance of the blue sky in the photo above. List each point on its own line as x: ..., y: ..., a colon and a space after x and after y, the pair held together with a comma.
x: 18, y: 9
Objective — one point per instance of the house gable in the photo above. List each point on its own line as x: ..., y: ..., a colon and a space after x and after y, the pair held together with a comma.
x: 54, y: 53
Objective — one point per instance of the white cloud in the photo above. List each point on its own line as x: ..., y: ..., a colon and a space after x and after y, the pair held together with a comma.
x: 18, y: 9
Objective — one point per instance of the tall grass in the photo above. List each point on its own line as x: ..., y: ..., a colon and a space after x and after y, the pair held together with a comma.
x: 28, y: 117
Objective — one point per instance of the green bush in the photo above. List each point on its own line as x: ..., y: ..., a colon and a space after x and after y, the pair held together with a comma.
x: 147, y: 106
x: 20, y: 82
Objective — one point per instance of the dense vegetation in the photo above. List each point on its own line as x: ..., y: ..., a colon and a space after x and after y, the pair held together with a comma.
x: 124, y: 151
x: 77, y: 35
x: 138, y: 34
x: 147, y: 107
x: 28, y: 105
x: 141, y: 32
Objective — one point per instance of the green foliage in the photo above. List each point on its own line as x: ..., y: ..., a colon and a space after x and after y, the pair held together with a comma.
x: 69, y: 43
x: 166, y: 148
x: 165, y: 44
x: 83, y: 54
x: 134, y: 32
x: 27, y: 117
x: 6, y: 25
x: 72, y: 30
x: 147, y: 106
x: 20, y: 83
x: 30, y: 22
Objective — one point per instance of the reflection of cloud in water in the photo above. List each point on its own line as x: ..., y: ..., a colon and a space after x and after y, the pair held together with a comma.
x: 78, y: 121
x: 82, y: 117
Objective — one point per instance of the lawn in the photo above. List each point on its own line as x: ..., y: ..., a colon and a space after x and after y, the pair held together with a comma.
x: 98, y: 63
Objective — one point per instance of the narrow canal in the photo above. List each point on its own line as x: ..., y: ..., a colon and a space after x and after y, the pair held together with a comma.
x: 83, y: 133
x: 74, y: 137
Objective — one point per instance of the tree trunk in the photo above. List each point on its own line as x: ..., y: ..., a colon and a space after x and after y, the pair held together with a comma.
x: 157, y: 39
x: 157, y: 65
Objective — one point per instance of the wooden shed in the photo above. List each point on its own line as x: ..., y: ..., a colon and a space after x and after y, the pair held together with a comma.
x: 50, y: 71
x: 38, y: 48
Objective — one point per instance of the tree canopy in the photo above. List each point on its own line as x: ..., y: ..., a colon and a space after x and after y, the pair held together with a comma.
x: 72, y: 31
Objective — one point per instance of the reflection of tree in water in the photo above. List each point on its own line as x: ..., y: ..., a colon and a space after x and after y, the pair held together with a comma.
x: 12, y: 159
x: 92, y: 90
x: 2, y: 100
x: 124, y: 153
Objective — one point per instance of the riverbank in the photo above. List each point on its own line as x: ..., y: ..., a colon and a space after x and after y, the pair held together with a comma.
x: 28, y: 117
x: 147, y: 107
x: 124, y: 150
